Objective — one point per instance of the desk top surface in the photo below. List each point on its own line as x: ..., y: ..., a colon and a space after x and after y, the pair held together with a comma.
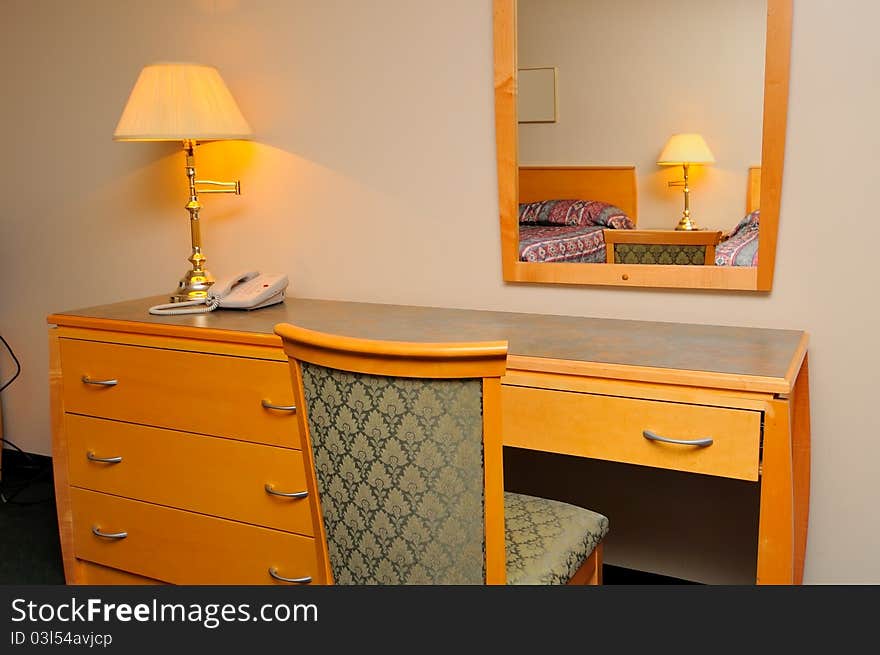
x: 749, y: 359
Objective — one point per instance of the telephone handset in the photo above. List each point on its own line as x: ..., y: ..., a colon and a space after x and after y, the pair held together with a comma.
x: 245, y: 290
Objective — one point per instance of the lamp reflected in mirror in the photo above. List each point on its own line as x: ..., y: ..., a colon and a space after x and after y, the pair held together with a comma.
x: 685, y: 150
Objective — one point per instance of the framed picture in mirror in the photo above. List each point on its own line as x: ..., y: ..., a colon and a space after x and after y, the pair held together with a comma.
x: 536, y: 95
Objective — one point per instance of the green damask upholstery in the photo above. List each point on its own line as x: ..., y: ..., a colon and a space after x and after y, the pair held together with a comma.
x: 659, y: 253
x: 546, y: 540
x: 399, y: 465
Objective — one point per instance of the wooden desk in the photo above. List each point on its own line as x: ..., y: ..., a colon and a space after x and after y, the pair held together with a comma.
x: 681, y: 247
x: 193, y: 388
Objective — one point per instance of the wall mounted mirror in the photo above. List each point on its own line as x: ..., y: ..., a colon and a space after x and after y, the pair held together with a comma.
x: 652, y: 152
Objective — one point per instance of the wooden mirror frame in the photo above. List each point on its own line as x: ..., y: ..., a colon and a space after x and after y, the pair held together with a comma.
x: 748, y: 278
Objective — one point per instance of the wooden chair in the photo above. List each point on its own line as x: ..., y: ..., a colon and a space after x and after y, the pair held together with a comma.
x: 403, y: 450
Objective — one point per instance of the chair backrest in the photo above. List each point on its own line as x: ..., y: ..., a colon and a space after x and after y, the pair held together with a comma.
x: 402, y: 443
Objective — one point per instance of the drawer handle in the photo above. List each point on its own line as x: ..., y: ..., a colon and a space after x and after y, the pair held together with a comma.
x: 103, y: 460
x: 700, y: 443
x: 103, y: 383
x: 274, y: 573
x: 296, y: 494
x: 283, y: 408
x: 108, y: 535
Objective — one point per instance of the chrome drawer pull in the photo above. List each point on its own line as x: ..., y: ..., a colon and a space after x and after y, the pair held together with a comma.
x: 296, y: 494
x: 701, y: 443
x: 274, y: 573
x: 104, y: 383
x: 283, y: 408
x: 108, y: 535
x: 104, y: 460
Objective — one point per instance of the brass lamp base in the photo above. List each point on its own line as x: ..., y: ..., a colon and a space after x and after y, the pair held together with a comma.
x: 195, y: 283
x: 686, y: 223
x: 193, y: 286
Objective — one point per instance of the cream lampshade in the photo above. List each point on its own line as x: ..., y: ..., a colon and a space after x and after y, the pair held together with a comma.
x: 179, y: 102
x: 685, y: 150
x: 187, y: 103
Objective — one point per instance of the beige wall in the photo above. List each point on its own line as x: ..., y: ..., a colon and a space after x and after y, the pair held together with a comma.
x: 633, y: 73
x: 374, y: 179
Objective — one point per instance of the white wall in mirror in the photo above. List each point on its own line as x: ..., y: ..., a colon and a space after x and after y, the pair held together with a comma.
x: 638, y: 71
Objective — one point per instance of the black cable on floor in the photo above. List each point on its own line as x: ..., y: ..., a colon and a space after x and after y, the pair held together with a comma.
x: 14, y: 359
x: 29, y: 456
x: 6, y: 384
x: 9, y: 491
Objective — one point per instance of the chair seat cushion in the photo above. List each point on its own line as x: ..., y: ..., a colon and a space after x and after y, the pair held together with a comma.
x: 547, y: 540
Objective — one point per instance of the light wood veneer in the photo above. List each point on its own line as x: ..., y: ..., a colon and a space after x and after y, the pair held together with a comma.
x: 167, y: 388
x: 183, y: 547
x: 95, y: 574
x: 196, y: 450
x: 580, y: 386
x: 219, y: 477
x: 612, y: 428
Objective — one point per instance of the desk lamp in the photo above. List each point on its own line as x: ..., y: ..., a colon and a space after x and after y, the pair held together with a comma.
x: 685, y: 150
x: 187, y: 103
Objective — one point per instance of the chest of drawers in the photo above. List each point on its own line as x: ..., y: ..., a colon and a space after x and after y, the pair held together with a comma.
x: 178, y: 461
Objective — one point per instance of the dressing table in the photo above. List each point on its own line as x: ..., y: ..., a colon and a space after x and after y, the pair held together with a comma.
x: 177, y: 457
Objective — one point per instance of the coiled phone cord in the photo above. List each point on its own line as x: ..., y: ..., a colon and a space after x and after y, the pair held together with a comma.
x: 201, y: 306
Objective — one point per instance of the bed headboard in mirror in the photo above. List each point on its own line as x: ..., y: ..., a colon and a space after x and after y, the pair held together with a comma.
x: 575, y: 157
x: 615, y: 185
x: 753, y: 190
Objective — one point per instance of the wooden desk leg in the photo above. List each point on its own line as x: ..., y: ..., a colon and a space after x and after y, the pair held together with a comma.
x: 72, y: 569
x: 800, y: 452
x: 776, y: 524
x: 785, y: 486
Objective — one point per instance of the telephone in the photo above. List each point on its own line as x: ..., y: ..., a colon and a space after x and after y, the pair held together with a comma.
x: 245, y: 290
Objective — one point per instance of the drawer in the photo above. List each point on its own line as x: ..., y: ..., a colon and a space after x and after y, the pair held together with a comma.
x: 196, y: 392
x: 95, y: 574
x: 221, y: 477
x: 182, y: 547
x: 611, y: 428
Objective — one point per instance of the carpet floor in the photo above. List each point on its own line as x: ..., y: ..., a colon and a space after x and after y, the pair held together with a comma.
x: 30, y: 552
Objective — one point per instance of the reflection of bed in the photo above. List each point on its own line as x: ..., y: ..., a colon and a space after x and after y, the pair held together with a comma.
x: 580, y: 239
x: 740, y: 248
x: 583, y: 244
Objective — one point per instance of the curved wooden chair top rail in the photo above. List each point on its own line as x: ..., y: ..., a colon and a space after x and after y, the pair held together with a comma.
x: 395, y: 358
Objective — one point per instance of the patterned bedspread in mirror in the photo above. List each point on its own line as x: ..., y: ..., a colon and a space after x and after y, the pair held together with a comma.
x: 567, y: 230
x: 583, y: 244
x: 741, y: 247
